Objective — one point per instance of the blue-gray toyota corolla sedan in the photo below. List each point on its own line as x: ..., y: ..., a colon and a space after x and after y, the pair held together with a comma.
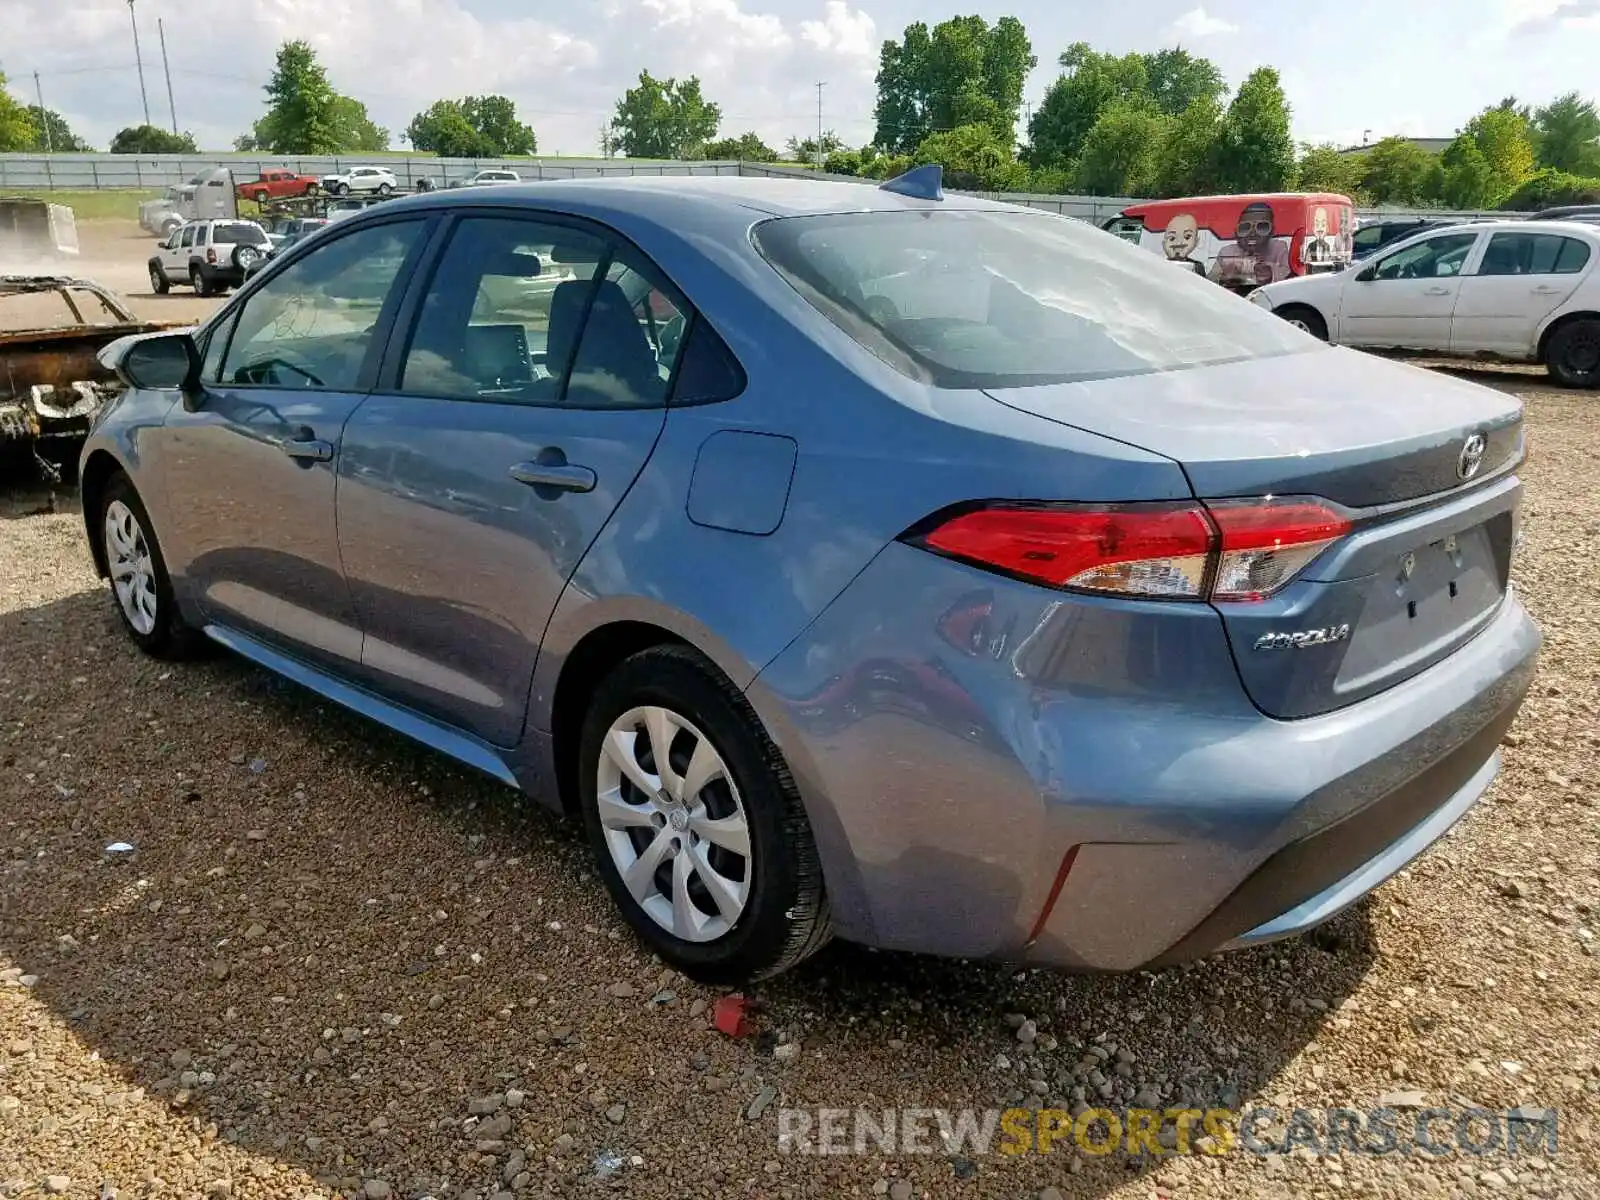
x: 863, y: 561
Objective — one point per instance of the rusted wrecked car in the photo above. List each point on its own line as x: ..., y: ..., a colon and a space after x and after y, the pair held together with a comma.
x: 51, y: 384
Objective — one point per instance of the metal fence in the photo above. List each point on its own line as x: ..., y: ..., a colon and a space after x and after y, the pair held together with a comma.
x: 90, y: 172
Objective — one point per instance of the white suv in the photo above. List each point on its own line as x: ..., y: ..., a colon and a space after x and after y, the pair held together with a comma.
x: 361, y: 179
x: 209, y: 256
x: 490, y: 177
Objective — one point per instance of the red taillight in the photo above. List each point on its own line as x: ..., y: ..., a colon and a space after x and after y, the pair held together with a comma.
x: 1228, y: 551
x: 1140, y: 550
x: 1266, y: 543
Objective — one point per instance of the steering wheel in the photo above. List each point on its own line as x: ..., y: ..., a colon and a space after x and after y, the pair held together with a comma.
x: 1409, y: 271
x: 256, y: 371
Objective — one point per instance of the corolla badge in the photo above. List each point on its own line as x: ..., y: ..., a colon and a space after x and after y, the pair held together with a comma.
x: 1472, y: 451
x: 1303, y: 639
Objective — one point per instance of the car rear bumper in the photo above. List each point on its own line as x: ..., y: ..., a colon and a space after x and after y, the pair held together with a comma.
x: 993, y: 770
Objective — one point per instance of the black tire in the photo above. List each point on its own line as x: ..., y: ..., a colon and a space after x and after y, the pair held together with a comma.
x: 262, y: 197
x: 785, y: 918
x: 341, y: 189
x: 170, y: 637
x: 384, y: 189
x: 313, y: 188
x: 244, y: 257
x: 198, y: 281
x: 158, y: 279
x: 1573, y: 355
x: 1306, y: 318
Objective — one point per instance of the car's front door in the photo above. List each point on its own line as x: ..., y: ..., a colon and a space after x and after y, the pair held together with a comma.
x: 1406, y: 297
x: 175, y: 259
x: 1521, y: 279
x: 508, y: 427
x: 253, y: 454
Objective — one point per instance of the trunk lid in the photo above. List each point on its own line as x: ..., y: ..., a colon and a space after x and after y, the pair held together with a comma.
x: 1428, y: 561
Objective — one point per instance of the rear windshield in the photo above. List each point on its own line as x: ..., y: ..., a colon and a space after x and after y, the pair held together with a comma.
x: 1003, y: 299
x: 246, y: 235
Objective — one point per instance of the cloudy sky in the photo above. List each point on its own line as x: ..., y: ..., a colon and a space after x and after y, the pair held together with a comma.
x: 1419, y: 67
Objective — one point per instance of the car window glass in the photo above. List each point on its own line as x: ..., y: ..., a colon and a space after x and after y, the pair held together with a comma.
x: 1435, y: 258
x: 188, y: 236
x: 211, y: 355
x: 1369, y: 238
x: 502, y: 312
x: 1573, y: 258
x: 310, y: 325
x: 1521, y: 254
x: 630, y: 342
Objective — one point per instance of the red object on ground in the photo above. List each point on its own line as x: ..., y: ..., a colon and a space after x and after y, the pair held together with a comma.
x: 729, y: 1014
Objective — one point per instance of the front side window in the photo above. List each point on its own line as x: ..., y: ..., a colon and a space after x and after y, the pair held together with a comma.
x: 188, y: 236
x: 310, y: 326
x: 1435, y: 258
x: 1000, y: 299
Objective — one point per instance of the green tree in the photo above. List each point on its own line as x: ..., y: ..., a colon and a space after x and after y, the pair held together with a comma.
x: 355, y: 130
x: 806, y: 150
x: 845, y: 161
x: 1568, y: 135
x: 16, y: 127
x: 1504, y: 136
x: 1396, y: 171
x: 1176, y: 79
x: 51, y: 132
x: 1465, y: 177
x: 472, y: 127
x: 1325, y: 168
x: 1121, y: 156
x: 1549, y: 187
x: 149, y: 139
x: 1254, y: 150
x: 302, y: 107
x: 962, y: 72
x: 663, y: 118
x: 443, y: 129
x: 974, y: 157
x: 1090, y: 82
x: 747, y: 147
x: 1185, y: 165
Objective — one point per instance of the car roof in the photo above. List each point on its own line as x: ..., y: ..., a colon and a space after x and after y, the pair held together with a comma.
x: 734, y: 195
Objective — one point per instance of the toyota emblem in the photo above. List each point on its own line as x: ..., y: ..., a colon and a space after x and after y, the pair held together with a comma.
x: 1471, y: 459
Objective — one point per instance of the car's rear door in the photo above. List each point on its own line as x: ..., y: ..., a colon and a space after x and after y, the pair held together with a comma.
x: 251, y: 457
x: 514, y: 413
x: 1519, y: 281
x: 1407, y: 295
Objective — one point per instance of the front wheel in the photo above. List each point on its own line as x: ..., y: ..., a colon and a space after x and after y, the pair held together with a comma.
x: 261, y: 197
x: 158, y: 280
x: 696, y: 826
x: 341, y: 189
x: 1306, y: 319
x: 1573, y: 356
x: 140, y: 585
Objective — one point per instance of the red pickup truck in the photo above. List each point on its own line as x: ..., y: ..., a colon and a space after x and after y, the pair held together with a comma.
x: 278, y: 185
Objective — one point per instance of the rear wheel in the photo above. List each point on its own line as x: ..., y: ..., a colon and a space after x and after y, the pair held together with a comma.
x: 384, y: 189
x: 199, y: 282
x: 1306, y: 318
x: 1573, y: 356
x: 140, y: 586
x: 695, y: 823
x: 158, y: 280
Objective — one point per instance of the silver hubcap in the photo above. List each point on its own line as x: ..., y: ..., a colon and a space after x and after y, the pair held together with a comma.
x: 155, y: 278
x: 133, y: 577
x: 1300, y: 323
x: 674, y: 823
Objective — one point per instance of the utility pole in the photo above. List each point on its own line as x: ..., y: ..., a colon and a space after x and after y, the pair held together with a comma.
x: 44, y: 116
x: 820, y: 156
x: 139, y: 61
x: 161, y: 31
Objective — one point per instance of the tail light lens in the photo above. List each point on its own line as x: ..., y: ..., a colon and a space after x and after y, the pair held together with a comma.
x: 1233, y: 551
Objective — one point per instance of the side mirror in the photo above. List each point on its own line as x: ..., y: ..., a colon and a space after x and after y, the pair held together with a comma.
x: 1368, y: 275
x: 155, y: 361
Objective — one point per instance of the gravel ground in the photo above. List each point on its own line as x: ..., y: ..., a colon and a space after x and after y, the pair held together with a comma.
x: 335, y: 964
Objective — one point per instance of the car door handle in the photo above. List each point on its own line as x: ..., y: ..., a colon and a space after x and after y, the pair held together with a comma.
x: 1436, y: 291
x: 566, y: 476
x: 307, y: 449
x: 1544, y: 289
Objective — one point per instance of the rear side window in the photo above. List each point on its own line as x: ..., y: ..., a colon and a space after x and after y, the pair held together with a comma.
x: 1533, y: 254
x: 1000, y: 299
x: 1573, y: 258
